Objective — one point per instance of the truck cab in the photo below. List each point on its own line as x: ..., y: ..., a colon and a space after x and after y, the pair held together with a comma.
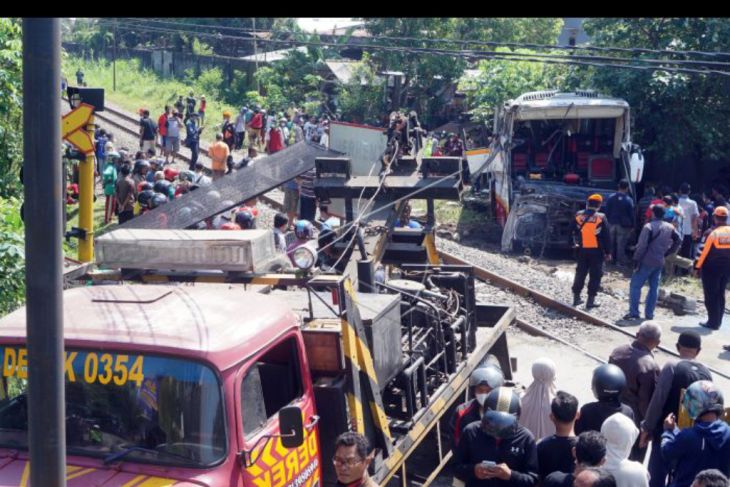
x: 171, y: 386
x: 551, y: 150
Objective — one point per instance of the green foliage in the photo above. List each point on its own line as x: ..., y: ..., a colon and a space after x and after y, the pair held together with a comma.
x: 201, y: 48
x: 12, y: 256
x: 426, y: 75
x: 361, y: 100
x: 138, y: 87
x: 678, y: 118
x: 11, y: 107
x: 500, y: 80
x: 210, y: 82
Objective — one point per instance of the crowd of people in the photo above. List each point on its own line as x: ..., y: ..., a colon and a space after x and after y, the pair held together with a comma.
x: 252, y: 129
x: 543, y: 436
x: 694, y: 228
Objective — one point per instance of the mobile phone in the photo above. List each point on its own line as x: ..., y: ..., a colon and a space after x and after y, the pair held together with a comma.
x: 488, y: 464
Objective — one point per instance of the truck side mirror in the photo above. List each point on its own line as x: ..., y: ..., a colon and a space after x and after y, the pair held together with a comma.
x: 291, y: 427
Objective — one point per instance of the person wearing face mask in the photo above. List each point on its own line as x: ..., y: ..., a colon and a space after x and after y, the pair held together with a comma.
x: 481, y: 382
x: 497, y: 451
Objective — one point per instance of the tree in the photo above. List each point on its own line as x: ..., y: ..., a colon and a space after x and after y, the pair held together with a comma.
x: 12, y: 262
x: 426, y: 75
x: 500, y: 80
x: 678, y: 118
x: 11, y: 107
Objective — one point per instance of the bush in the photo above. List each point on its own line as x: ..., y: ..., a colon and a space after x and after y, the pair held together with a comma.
x: 12, y: 256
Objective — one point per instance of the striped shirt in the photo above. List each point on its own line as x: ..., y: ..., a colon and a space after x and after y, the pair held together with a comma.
x: 306, y: 188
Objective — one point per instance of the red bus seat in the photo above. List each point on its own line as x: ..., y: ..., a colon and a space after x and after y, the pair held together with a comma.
x: 601, y: 168
x: 541, y: 160
x: 519, y: 162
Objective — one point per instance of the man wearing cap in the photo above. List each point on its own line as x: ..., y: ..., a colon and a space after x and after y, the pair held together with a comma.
x: 594, y: 245
x: 674, y: 376
x: 657, y: 240
x: 714, y: 265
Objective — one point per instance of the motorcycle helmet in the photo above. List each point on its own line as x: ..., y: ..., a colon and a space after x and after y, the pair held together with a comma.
x: 487, y: 375
x: 162, y: 187
x: 703, y: 397
x: 157, y: 200
x: 145, y: 196
x: 303, y: 230
x: 245, y: 220
x: 502, y: 411
x: 608, y: 382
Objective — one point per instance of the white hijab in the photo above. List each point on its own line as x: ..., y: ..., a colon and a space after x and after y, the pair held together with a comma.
x: 536, y: 401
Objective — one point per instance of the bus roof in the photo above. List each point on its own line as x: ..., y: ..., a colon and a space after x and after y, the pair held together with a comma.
x: 541, y: 105
x: 217, y: 323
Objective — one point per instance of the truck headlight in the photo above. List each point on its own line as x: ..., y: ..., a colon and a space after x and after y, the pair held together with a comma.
x: 304, y: 257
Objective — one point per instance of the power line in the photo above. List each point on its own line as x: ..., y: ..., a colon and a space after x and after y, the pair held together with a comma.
x: 473, y: 53
x: 469, y: 55
x: 632, y: 50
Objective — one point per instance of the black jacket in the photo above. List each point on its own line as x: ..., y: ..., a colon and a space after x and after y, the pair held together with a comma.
x: 518, y: 452
x: 465, y: 414
x: 593, y: 414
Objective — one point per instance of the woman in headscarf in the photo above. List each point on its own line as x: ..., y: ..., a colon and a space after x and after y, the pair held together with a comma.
x: 536, y: 401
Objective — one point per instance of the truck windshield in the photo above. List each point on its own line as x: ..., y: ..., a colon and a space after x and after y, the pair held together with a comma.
x: 152, y: 409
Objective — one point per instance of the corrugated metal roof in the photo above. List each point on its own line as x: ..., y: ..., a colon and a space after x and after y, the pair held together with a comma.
x: 273, y: 56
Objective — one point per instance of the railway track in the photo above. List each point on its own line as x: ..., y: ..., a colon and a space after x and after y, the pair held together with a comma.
x: 561, y: 308
x: 130, y: 125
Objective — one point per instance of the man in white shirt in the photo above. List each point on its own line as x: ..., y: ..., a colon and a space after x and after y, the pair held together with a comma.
x: 690, y: 222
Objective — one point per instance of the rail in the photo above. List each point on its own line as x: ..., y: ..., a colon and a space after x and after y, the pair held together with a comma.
x: 549, y: 302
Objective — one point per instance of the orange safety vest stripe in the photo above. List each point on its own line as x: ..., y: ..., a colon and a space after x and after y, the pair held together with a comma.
x: 589, y: 230
x: 719, y: 239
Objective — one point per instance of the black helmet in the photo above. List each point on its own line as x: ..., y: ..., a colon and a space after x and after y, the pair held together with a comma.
x: 162, y: 186
x: 146, y: 186
x: 487, y: 375
x: 145, y: 196
x: 502, y: 410
x: 139, y: 164
x: 608, y: 382
x: 157, y: 200
x: 245, y: 220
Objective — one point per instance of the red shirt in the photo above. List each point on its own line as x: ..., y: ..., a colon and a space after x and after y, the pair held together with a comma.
x: 162, y: 124
x: 257, y: 121
x: 202, y: 106
x: 276, y: 142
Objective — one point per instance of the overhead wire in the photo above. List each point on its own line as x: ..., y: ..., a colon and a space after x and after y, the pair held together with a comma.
x: 527, y: 45
x: 619, y: 63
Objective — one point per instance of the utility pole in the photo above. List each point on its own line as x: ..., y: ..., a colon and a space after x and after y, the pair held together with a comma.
x: 114, y: 62
x: 43, y: 250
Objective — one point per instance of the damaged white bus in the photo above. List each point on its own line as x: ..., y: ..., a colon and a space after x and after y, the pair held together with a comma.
x: 550, y: 150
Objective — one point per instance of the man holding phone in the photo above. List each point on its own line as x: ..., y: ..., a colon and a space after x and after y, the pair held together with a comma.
x: 497, y: 451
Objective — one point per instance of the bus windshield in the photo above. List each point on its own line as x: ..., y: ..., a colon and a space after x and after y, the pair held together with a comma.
x: 125, y: 407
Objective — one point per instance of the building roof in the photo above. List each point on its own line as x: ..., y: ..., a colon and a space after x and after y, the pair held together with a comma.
x: 218, y: 323
x: 273, y: 56
x: 329, y: 25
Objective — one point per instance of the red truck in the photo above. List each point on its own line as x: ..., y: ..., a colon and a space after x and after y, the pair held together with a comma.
x: 211, y: 385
